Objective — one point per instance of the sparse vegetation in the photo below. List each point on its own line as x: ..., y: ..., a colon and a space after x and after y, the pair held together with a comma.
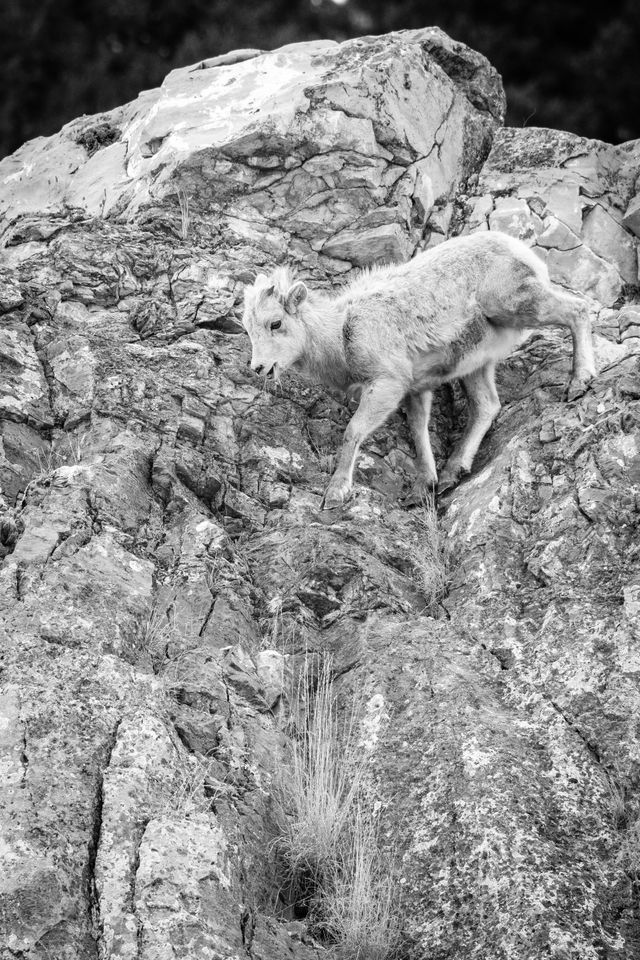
x: 431, y: 562
x: 630, y: 849
x: 195, y: 788
x: 359, y: 902
x: 320, y: 785
x: 328, y: 843
x: 283, y: 629
x: 168, y: 635
x: 274, y: 629
x: 67, y: 453
x: 75, y: 447
x: 155, y: 632
x: 627, y: 819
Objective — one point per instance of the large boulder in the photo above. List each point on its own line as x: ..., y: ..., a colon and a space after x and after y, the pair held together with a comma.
x: 164, y: 560
x: 322, y: 151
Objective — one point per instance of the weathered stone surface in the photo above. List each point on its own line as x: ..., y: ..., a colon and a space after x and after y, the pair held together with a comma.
x: 382, y: 114
x: 631, y: 219
x: 609, y: 240
x: 629, y: 321
x: 566, y: 196
x: 164, y: 564
x: 136, y: 786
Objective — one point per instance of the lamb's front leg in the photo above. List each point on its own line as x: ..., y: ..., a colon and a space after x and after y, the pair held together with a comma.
x: 483, y: 406
x: 418, y: 413
x: 378, y: 401
x: 552, y: 307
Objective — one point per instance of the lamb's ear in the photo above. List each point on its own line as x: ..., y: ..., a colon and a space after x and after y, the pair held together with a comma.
x: 296, y: 295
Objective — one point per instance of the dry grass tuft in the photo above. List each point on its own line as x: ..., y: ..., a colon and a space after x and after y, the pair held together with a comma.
x: 167, y: 634
x: 329, y: 838
x: 629, y: 853
x: 195, y: 788
x: 360, y: 901
x: 626, y: 819
x: 155, y: 631
x: 320, y: 784
x: 431, y: 562
x: 282, y: 630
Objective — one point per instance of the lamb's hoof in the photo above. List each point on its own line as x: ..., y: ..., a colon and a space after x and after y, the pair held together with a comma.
x: 450, y: 478
x: 421, y: 492
x: 334, y: 497
x: 578, y: 386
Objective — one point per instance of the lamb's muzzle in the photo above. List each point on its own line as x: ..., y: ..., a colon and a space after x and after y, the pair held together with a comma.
x: 398, y: 332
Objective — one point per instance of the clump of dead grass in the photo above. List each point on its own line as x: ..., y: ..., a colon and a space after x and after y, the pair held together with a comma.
x: 329, y: 837
x: 432, y: 560
x: 195, y: 787
x: 321, y: 781
x: 359, y: 902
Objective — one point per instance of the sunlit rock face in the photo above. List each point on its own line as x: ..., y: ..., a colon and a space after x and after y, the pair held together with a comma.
x: 323, y: 151
x: 164, y: 562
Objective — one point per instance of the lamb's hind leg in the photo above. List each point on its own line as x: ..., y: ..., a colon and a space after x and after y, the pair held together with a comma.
x: 537, y: 304
x: 418, y: 413
x: 378, y: 401
x: 517, y: 295
x: 562, y: 309
x: 484, y: 406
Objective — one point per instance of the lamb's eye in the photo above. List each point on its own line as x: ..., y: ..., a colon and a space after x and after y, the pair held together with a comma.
x: 276, y: 324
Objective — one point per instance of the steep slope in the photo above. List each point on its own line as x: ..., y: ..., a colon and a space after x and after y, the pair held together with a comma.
x: 164, y: 556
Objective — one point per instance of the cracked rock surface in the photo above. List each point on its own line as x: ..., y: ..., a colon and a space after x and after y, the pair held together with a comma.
x: 164, y: 563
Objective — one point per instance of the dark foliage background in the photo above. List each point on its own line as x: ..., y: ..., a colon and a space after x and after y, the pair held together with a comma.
x: 562, y: 65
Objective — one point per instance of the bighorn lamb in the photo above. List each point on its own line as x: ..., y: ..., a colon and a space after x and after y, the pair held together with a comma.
x: 399, y: 332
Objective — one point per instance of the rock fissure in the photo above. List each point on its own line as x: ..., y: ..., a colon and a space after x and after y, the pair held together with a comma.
x: 133, y: 899
x: 24, y: 756
x: 49, y: 376
x: 91, y: 893
x: 247, y: 930
x: 588, y: 744
x: 207, y: 618
x: 21, y: 583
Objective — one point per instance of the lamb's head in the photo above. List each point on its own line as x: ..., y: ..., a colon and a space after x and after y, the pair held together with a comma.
x: 272, y: 320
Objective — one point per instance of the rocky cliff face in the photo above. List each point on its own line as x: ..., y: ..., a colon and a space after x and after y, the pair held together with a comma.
x: 165, y: 562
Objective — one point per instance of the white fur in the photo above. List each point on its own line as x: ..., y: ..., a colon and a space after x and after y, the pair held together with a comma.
x: 400, y: 331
